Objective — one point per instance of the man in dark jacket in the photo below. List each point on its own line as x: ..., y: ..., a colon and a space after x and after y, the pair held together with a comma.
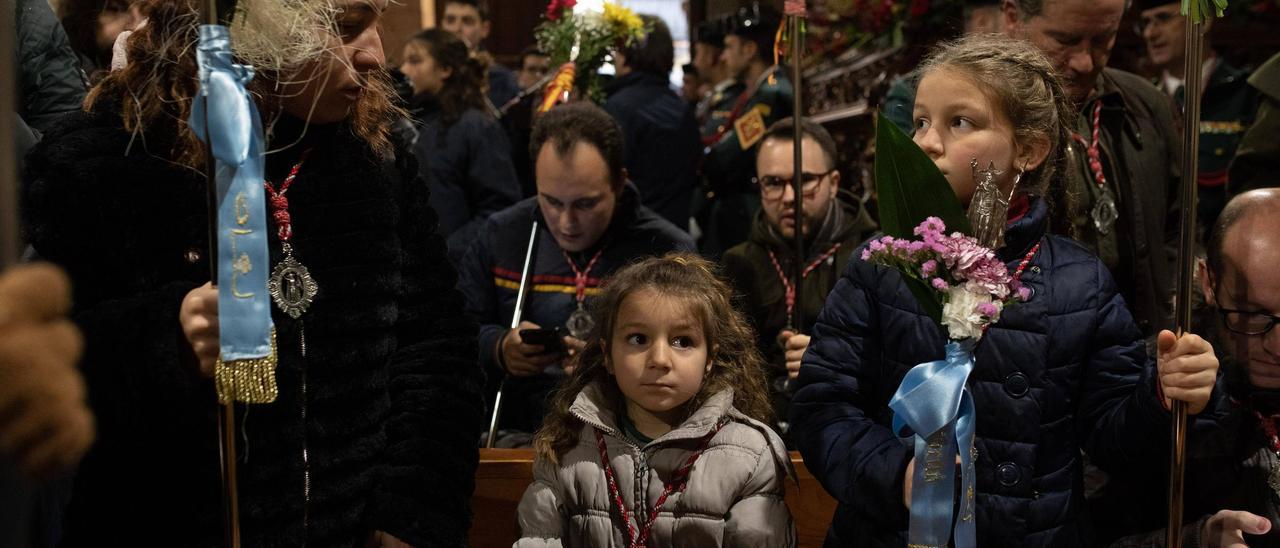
x: 50, y: 82
x: 1126, y: 206
x: 469, y: 19
x: 760, y: 268
x: 589, y: 223
x: 1227, y: 105
x: 1231, y: 493
x: 659, y: 128
x: 1258, y: 156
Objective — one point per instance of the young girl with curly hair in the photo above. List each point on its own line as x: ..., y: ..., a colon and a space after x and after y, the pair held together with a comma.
x: 660, y: 435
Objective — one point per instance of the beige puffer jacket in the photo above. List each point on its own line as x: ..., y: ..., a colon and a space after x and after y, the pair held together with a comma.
x: 734, y: 495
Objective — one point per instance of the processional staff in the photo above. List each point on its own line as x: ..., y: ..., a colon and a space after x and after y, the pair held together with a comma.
x: 1195, y: 11
x: 226, y: 119
x: 795, y: 16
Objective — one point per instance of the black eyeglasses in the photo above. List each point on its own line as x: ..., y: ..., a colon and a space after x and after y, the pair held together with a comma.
x: 1161, y: 18
x: 772, y: 187
x: 1245, y: 322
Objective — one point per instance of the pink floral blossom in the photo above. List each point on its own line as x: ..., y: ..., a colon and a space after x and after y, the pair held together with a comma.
x: 988, y: 310
x: 940, y: 284
x: 929, y: 267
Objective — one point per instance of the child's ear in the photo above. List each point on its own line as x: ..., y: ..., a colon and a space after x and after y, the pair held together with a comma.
x: 1032, y: 153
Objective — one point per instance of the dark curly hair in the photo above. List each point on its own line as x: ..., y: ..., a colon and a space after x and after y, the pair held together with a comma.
x: 464, y: 89
x: 735, y: 361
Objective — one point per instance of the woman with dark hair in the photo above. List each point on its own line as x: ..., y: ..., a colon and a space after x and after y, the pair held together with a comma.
x: 464, y: 151
x: 371, y: 439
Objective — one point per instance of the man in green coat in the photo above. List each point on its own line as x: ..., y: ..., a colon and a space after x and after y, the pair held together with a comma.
x: 1227, y: 105
x: 1257, y: 158
x: 761, y: 267
x: 731, y: 138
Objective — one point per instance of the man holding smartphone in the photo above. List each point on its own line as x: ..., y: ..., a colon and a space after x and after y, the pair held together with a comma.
x: 590, y: 223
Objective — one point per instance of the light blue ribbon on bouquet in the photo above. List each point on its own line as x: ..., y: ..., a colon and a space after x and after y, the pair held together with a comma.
x: 934, y: 404
x: 228, y: 121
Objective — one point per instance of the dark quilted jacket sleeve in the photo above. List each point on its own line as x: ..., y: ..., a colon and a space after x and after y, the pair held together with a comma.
x: 860, y: 462
x: 50, y: 79
x: 434, y: 386
x: 1122, y: 422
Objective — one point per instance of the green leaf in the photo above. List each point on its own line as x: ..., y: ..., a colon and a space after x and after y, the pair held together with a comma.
x: 1199, y: 10
x: 910, y: 188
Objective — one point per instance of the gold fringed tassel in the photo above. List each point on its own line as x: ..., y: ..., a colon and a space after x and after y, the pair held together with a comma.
x: 248, y: 381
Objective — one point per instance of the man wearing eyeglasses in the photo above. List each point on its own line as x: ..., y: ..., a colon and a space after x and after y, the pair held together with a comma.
x: 1227, y: 106
x: 1233, y: 477
x: 760, y: 268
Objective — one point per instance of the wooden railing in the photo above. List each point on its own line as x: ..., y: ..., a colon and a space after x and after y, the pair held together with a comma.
x: 505, y: 473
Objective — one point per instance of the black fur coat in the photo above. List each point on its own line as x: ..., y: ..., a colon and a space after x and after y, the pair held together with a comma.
x: 393, y: 403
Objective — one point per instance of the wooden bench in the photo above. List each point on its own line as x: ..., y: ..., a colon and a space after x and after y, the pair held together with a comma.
x: 505, y: 473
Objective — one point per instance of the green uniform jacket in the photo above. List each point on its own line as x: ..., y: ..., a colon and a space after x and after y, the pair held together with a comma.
x: 1257, y: 161
x: 719, y: 107
x: 728, y: 167
x: 1226, y: 111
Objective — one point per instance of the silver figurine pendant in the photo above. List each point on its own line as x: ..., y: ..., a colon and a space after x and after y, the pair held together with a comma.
x: 989, y: 208
x: 291, y: 286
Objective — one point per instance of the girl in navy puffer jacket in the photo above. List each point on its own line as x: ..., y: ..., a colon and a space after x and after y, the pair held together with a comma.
x: 1064, y: 372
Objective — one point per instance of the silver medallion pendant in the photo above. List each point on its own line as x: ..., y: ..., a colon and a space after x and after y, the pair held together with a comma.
x: 291, y: 286
x: 580, y: 324
x: 1105, y: 213
x: 1273, y: 479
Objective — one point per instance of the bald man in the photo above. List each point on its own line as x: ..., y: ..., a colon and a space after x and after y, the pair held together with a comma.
x: 1233, y: 478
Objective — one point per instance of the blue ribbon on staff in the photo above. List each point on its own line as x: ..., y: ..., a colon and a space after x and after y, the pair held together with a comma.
x: 227, y: 119
x: 935, y: 406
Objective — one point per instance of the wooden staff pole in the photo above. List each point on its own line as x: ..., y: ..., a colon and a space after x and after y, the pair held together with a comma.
x: 1186, y: 261
x: 795, y: 20
x: 214, y: 14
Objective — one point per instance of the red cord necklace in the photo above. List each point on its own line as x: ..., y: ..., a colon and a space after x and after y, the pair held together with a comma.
x: 1017, y: 272
x: 789, y: 287
x: 1104, y: 212
x: 679, y: 481
x: 1273, y: 440
x: 291, y: 286
x: 580, y: 322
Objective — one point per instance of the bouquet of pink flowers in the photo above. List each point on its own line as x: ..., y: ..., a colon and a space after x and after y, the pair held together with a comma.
x: 969, y: 283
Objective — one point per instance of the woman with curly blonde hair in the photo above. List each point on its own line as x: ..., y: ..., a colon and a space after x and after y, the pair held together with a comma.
x: 660, y: 433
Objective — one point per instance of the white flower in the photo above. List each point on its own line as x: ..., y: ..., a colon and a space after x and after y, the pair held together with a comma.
x: 960, y: 315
